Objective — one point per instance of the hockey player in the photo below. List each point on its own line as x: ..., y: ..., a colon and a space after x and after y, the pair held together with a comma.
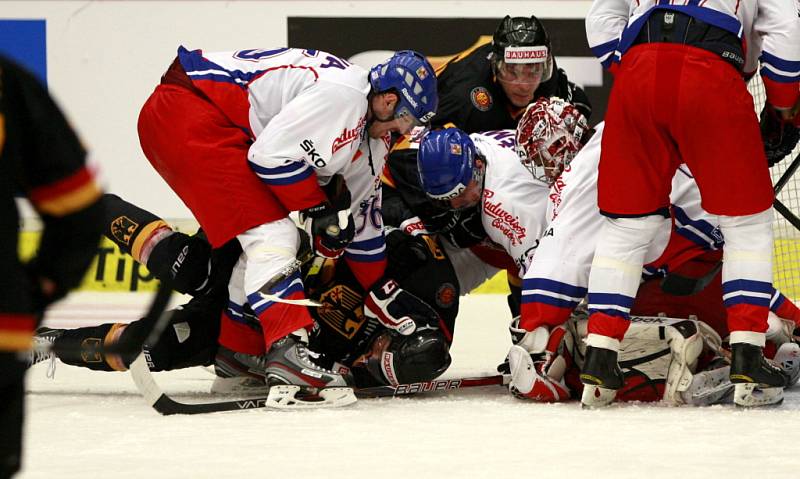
x: 348, y: 340
x: 488, y: 87
x: 41, y: 158
x: 464, y: 171
x: 557, y: 280
x: 678, y: 65
x: 482, y: 89
x: 508, y: 206
x: 273, y: 126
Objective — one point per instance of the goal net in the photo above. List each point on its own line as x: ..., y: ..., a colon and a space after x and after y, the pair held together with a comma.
x: 786, y: 255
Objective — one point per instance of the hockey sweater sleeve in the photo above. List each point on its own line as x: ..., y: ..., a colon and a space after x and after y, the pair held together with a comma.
x: 42, y: 157
x: 316, y: 133
x: 605, y: 23
x: 778, y: 24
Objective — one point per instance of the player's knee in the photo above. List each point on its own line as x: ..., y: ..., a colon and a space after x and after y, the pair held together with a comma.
x: 747, y: 232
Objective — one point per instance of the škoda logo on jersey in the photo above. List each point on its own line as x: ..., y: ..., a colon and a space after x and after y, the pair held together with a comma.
x: 348, y: 136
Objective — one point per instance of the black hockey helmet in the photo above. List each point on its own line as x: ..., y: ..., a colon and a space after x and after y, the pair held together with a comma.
x: 421, y: 356
x: 522, y: 40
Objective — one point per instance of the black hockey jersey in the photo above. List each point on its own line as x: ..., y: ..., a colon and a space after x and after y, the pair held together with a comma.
x: 471, y: 99
x: 40, y: 158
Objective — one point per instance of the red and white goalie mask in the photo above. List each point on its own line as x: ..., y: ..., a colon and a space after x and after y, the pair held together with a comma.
x: 549, y: 135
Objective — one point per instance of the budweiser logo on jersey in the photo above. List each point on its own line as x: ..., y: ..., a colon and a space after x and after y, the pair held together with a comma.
x: 556, y: 190
x: 502, y: 220
x: 349, y: 135
x: 537, y: 54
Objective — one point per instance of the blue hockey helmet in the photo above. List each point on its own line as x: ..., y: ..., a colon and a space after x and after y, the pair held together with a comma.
x: 446, y: 163
x: 410, y: 75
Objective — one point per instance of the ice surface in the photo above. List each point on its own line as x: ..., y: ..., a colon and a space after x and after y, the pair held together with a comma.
x: 85, y: 424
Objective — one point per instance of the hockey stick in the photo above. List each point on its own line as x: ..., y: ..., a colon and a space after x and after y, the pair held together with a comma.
x: 433, y: 386
x: 290, y: 269
x: 167, y: 406
x: 678, y: 285
x: 153, y: 324
x: 778, y: 204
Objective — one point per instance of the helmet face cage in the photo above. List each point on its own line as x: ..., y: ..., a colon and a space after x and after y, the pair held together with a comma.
x: 409, y: 75
x: 549, y: 135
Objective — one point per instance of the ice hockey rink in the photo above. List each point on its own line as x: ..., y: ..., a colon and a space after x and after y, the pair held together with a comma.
x: 94, y: 424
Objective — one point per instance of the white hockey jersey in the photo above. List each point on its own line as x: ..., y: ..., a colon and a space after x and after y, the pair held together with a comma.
x: 514, y: 204
x: 305, y: 109
x: 559, y: 274
x: 769, y: 29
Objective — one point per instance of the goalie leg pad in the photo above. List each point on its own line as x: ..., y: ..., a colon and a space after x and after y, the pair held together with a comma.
x: 788, y: 358
x: 529, y: 380
x: 289, y: 397
x: 709, y: 387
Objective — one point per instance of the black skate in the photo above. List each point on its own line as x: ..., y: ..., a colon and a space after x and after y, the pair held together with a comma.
x: 601, y: 377
x: 239, y: 373
x: 296, y: 381
x: 757, y: 382
x: 42, y: 348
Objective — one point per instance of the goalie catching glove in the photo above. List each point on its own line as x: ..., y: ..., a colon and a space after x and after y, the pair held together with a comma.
x: 330, y: 223
x: 397, y: 309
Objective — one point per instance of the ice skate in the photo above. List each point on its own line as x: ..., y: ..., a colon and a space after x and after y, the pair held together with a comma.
x: 601, y: 377
x: 296, y: 381
x: 756, y: 381
x: 239, y: 373
x: 42, y: 348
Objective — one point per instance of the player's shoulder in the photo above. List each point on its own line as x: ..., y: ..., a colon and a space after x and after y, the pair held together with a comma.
x: 464, y: 71
x: 501, y: 143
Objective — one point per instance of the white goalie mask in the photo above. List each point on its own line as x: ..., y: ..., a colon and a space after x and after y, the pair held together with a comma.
x: 549, y: 135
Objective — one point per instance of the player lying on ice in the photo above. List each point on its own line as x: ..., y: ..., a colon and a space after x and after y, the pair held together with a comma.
x: 464, y: 170
x: 364, y: 349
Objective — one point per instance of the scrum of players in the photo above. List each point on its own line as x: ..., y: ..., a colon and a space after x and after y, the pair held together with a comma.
x: 425, y: 216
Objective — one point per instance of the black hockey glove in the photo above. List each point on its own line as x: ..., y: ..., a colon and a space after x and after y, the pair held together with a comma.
x: 331, y: 229
x: 330, y: 224
x: 780, y: 137
x: 468, y: 231
x: 406, y: 254
x: 397, y: 309
x: 183, y: 260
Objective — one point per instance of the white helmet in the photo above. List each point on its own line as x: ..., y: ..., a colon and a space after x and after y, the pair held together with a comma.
x: 549, y: 134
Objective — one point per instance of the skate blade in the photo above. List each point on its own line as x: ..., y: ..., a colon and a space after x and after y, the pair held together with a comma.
x: 751, y: 395
x: 286, y: 397
x: 595, y: 397
x: 238, y: 386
